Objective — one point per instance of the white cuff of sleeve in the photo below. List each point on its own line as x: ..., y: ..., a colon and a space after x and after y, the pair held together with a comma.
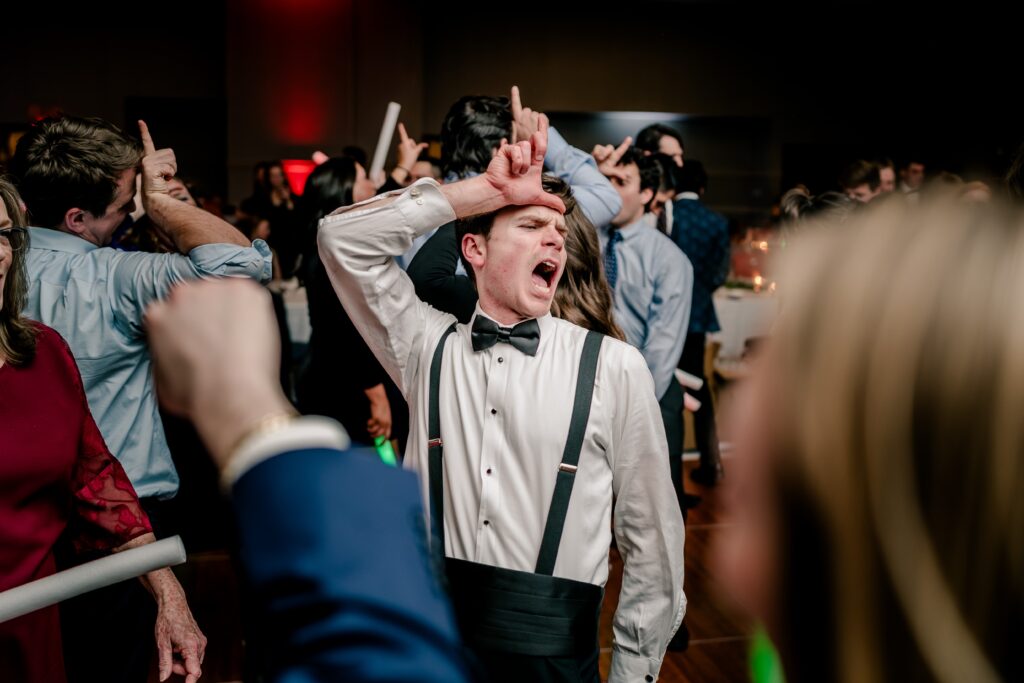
x: 302, y: 433
x: 629, y: 668
x: 424, y: 206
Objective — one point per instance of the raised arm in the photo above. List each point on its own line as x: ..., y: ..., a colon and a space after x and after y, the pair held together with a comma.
x: 188, y: 226
x: 359, y: 243
x: 595, y: 195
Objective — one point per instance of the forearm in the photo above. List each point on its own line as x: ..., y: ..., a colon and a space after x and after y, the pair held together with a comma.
x: 666, y: 334
x: 161, y: 583
x: 376, y: 394
x: 595, y: 194
x: 189, y: 226
x: 659, y: 357
x: 648, y: 529
x: 358, y: 245
x: 224, y: 418
x: 473, y: 197
x: 651, y: 600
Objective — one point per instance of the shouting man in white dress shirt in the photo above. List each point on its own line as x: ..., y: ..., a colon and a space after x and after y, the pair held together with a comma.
x: 524, y: 428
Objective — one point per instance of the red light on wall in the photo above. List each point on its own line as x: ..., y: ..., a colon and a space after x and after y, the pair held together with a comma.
x: 302, y: 113
x: 297, y: 170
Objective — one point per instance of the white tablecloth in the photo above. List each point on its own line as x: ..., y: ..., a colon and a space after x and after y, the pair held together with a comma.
x: 743, y: 315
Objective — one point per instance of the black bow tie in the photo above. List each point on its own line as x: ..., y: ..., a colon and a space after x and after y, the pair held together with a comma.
x: 525, y: 336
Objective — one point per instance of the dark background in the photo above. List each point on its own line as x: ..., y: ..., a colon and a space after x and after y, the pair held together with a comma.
x: 766, y: 95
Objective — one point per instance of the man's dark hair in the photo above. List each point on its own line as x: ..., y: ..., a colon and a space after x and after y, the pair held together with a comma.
x: 70, y: 162
x: 472, y: 130
x: 670, y: 172
x: 357, y: 153
x: 693, y: 177
x: 649, y: 138
x: 884, y: 162
x: 650, y: 173
x: 906, y: 162
x: 482, y: 224
x: 859, y: 173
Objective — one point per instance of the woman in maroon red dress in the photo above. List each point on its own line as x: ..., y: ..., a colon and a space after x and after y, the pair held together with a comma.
x: 56, y: 474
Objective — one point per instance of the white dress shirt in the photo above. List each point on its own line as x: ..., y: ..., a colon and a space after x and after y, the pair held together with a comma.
x: 505, y: 420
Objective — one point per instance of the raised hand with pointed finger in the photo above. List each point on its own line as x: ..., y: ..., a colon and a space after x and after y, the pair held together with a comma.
x: 158, y: 167
x: 408, y: 149
x: 607, y: 158
x: 515, y: 172
x: 525, y: 121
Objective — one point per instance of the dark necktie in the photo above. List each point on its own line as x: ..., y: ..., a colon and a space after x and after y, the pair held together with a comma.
x: 611, y: 264
x: 525, y: 336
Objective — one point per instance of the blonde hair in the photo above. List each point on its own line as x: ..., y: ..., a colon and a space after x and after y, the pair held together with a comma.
x: 900, y: 358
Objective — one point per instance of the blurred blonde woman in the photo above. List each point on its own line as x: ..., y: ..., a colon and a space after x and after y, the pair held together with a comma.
x: 880, y: 491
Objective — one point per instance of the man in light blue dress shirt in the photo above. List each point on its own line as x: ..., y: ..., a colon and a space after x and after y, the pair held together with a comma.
x: 652, y: 282
x: 78, y: 180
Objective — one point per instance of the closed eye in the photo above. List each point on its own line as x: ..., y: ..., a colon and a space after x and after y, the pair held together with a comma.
x: 533, y: 224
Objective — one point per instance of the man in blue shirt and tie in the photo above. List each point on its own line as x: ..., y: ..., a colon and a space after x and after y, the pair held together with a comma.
x: 78, y: 180
x: 652, y: 283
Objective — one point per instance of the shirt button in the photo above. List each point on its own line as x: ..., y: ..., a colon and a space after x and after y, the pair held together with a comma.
x: 494, y: 411
x: 419, y: 201
x: 487, y: 523
x: 415, y: 192
x: 488, y: 470
x: 648, y: 678
x: 500, y: 359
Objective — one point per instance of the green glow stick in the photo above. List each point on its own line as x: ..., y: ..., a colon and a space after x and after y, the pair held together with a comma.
x: 385, y: 451
x: 765, y: 666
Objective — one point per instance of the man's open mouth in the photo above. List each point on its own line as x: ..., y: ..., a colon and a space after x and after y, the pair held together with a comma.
x: 544, y: 273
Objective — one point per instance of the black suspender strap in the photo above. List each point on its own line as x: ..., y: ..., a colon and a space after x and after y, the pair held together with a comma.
x: 571, y: 455
x: 435, y: 447
x: 566, y: 469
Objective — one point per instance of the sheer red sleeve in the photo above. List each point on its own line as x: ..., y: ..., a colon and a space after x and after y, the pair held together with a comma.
x: 105, y: 511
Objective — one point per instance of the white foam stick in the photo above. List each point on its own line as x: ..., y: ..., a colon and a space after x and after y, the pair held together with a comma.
x: 689, y: 381
x: 690, y: 403
x: 384, y: 141
x: 90, y: 576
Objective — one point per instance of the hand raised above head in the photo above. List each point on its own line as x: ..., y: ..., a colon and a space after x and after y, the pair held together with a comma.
x: 515, y: 172
x: 216, y: 356
x: 513, y: 178
x: 158, y: 165
x: 607, y: 158
x: 408, y: 149
x: 525, y: 121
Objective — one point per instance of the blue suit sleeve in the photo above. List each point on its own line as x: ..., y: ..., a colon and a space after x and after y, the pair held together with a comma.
x: 335, y: 553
